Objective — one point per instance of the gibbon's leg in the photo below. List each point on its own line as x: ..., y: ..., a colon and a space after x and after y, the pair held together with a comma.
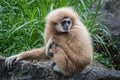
x: 59, y: 58
x: 28, y: 55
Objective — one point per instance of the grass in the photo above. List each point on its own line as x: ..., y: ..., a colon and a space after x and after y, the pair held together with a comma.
x: 22, y: 23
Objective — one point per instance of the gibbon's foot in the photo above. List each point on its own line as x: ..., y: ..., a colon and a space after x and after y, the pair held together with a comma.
x: 57, y: 69
x: 10, y: 61
x: 52, y: 64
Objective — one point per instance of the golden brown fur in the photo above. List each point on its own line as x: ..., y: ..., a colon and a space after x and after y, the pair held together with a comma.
x: 72, y: 51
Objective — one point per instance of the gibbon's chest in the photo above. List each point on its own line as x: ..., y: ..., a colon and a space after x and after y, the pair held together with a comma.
x: 70, y: 38
x: 73, y: 35
x: 73, y: 40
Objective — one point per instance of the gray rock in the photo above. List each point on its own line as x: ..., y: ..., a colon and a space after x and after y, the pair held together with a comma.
x: 110, y: 16
x: 29, y: 71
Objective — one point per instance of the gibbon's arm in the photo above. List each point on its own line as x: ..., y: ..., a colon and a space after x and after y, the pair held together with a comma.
x: 28, y: 55
x: 55, y: 40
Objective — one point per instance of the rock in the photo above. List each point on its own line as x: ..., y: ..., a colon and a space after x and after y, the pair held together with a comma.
x: 110, y: 17
x: 29, y: 71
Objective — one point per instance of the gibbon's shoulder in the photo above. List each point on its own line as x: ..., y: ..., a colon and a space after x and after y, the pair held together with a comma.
x: 60, y: 13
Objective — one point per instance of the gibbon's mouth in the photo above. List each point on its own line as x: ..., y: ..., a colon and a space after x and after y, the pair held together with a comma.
x: 66, y: 31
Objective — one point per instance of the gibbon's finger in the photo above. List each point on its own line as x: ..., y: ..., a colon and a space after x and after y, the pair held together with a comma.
x: 9, y: 61
x: 53, y: 46
x: 48, y: 45
x: 50, y: 51
x: 12, y: 61
x: 6, y: 61
x: 9, y: 64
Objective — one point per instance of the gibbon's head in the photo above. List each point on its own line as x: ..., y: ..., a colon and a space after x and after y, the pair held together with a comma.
x: 64, y: 25
x: 63, y: 19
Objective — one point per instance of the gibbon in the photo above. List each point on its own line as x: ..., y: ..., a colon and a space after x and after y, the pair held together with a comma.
x: 68, y: 44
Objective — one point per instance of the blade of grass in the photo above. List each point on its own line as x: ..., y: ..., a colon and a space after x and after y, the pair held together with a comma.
x: 16, y: 29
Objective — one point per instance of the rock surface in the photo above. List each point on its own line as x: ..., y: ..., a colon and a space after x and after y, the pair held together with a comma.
x: 110, y: 17
x: 28, y: 71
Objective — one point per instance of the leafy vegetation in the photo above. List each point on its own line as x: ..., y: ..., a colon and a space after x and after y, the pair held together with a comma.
x: 22, y: 24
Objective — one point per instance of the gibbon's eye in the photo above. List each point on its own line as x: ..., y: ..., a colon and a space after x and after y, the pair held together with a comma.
x: 69, y: 22
x: 63, y: 23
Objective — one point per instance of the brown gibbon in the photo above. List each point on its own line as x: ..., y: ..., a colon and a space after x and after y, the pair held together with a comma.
x: 67, y: 44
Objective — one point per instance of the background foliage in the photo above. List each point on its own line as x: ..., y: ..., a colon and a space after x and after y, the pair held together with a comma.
x: 22, y: 25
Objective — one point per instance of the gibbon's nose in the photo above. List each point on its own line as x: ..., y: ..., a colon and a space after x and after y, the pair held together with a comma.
x: 66, y: 27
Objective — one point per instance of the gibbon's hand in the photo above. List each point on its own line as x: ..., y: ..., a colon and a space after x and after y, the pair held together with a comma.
x: 48, y: 47
x: 48, y: 51
x: 11, y: 60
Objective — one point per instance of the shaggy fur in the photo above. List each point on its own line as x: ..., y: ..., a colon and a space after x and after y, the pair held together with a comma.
x: 72, y: 51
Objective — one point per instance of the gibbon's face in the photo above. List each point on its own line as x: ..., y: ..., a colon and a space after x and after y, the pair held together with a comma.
x: 64, y: 25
